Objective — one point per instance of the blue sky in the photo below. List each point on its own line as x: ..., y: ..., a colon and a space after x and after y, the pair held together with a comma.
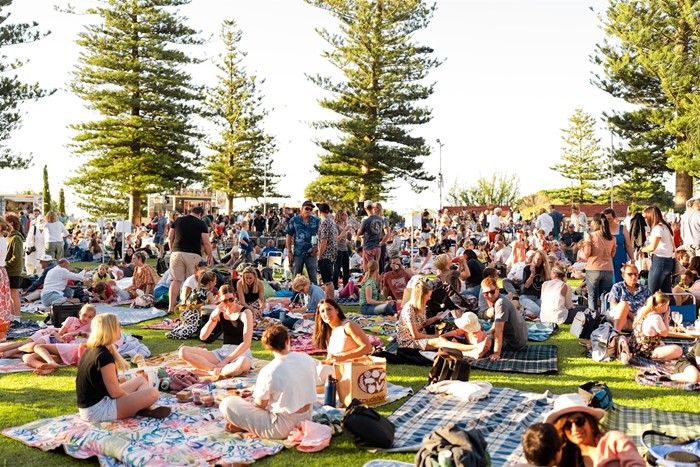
x: 513, y: 74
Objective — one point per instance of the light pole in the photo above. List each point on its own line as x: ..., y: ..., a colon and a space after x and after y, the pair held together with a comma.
x: 440, y: 173
x: 612, y: 152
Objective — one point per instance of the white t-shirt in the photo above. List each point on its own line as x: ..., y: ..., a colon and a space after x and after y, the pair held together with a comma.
x: 665, y: 248
x: 57, y: 279
x: 288, y: 382
x: 545, y: 222
x: 555, y: 308
x: 190, y: 282
x: 494, y: 223
x: 55, y: 231
x: 3, y: 251
x: 653, y: 325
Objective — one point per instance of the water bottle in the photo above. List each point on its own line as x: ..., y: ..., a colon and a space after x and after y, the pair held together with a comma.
x: 329, y: 393
x: 445, y: 459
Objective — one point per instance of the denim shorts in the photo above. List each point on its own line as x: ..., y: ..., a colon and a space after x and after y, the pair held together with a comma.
x: 103, y: 411
x: 228, y: 349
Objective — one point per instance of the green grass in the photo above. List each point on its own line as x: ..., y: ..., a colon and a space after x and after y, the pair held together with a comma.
x: 26, y: 397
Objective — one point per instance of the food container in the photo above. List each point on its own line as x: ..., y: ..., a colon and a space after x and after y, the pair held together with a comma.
x: 207, y: 400
x: 184, y: 396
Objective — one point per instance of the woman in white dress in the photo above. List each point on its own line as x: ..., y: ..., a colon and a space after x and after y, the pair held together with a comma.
x: 35, y: 244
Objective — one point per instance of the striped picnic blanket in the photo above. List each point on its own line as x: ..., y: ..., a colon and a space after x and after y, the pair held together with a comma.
x: 535, y: 359
x: 502, y: 417
x: 634, y: 421
x: 650, y: 370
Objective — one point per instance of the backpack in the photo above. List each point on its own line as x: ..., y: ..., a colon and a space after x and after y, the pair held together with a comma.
x: 161, y: 266
x: 672, y: 451
x: 597, y: 394
x: 144, y: 301
x: 584, y: 323
x: 449, y: 364
x: 604, y: 343
x: 369, y: 428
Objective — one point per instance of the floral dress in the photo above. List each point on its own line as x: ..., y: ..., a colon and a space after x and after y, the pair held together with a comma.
x: 641, y: 345
x: 403, y: 328
x: 5, y: 303
x: 190, y: 317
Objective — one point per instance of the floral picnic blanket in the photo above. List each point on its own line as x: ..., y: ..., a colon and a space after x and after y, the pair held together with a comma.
x: 650, y: 371
x: 190, y: 436
x: 168, y: 324
x: 383, y: 325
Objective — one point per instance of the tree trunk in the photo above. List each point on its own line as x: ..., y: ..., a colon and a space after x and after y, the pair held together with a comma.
x: 684, y: 189
x: 229, y: 200
x: 135, y: 208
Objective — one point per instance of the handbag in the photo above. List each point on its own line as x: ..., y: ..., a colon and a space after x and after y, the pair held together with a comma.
x: 672, y: 450
x: 584, y: 323
x: 369, y: 428
x: 449, y: 364
x: 597, y: 394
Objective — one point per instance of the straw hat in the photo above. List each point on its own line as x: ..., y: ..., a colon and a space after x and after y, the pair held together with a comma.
x: 571, y: 403
x: 423, y: 244
x: 468, y: 322
x: 48, y: 258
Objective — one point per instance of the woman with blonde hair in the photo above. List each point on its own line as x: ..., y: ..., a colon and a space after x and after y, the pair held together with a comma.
x: 661, y: 248
x: 599, y: 247
x: 369, y: 293
x: 651, y: 323
x: 101, y: 397
x: 251, y: 292
x: 55, y: 232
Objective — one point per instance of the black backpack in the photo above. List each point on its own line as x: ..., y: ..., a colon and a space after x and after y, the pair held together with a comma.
x: 449, y: 364
x: 161, y: 266
x: 369, y: 428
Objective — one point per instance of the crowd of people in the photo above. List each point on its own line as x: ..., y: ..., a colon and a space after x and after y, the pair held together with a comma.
x: 388, y: 269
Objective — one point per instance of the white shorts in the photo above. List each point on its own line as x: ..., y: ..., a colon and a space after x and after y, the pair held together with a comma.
x: 228, y: 349
x: 103, y: 411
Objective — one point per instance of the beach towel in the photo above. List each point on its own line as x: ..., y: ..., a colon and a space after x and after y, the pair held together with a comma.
x: 131, y: 315
x: 650, y: 370
x: 23, y: 330
x: 13, y: 365
x: 502, y: 418
x: 535, y: 359
x: 303, y: 343
x: 168, y: 324
x: 191, y: 435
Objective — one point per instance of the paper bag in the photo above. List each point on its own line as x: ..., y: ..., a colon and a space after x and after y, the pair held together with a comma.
x: 363, y: 379
x: 150, y: 374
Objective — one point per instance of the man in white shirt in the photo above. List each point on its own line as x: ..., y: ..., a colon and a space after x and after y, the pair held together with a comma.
x: 495, y: 224
x: 690, y: 229
x: 56, y: 282
x: 579, y: 219
x: 544, y: 222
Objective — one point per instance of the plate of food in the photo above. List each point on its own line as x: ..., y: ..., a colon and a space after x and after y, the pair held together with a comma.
x: 692, y: 331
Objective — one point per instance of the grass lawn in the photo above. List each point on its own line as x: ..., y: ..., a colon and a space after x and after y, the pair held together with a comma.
x: 26, y: 397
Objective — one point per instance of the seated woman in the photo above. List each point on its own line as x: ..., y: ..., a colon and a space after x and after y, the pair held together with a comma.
x: 101, y: 398
x: 422, y: 263
x: 313, y: 295
x: 190, y: 316
x: 651, y: 323
x: 412, y: 320
x: 369, y: 293
x: 251, y: 292
x: 145, y: 278
x: 234, y: 357
x: 585, y: 441
x: 688, y: 366
x: 343, y: 339
x: 284, y: 393
x: 557, y: 299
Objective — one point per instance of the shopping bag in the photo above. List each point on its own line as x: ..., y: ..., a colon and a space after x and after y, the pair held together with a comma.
x: 363, y: 379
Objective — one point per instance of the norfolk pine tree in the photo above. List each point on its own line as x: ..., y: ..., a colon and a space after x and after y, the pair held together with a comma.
x: 652, y: 60
x: 61, y: 201
x: 384, y: 71
x: 46, y: 192
x: 130, y: 73
x: 581, y: 156
x: 242, y: 156
x: 12, y: 91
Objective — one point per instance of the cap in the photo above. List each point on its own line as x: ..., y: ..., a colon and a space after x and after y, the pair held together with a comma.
x: 468, y: 322
x: 307, y: 203
x: 571, y: 403
x: 48, y: 258
x: 323, y: 207
x: 572, y: 225
x: 369, y: 203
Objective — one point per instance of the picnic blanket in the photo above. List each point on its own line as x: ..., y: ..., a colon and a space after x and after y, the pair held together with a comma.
x: 634, y: 421
x: 191, y: 435
x: 131, y: 315
x: 535, y: 359
x: 384, y: 325
x: 303, y: 343
x: 13, y: 365
x: 536, y: 331
x: 502, y: 417
x: 348, y: 301
x: 23, y: 330
x: 167, y: 324
x: 650, y: 370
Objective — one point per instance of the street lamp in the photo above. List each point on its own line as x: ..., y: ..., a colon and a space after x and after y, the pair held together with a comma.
x: 612, y: 152
x: 440, y: 173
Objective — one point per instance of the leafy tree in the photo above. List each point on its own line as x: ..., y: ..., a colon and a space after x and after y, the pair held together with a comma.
x: 385, y: 71
x: 61, y: 201
x: 581, y: 157
x: 499, y: 189
x: 569, y: 195
x: 640, y: 191
x: 130, y: 73
x: 241, y: 165
x: 46, y: 193
x: 12, y: 91
x: 652, y: 59
x: 338, y: 195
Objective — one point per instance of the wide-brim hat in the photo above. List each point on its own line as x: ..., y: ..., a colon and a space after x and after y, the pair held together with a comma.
x: 468, y: 322
x: 423, y: 244
x: 48, y: 258
x: 571, y: 403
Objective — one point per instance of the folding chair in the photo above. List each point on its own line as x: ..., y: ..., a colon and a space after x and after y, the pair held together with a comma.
x: 689, y: 311
x: 274, y: 262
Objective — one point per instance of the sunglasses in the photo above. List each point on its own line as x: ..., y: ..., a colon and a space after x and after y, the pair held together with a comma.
x: 578, y: 421
x: 308, y: 209
x: 490, y: 292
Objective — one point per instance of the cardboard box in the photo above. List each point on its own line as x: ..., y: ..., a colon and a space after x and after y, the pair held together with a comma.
x: 363, y: 379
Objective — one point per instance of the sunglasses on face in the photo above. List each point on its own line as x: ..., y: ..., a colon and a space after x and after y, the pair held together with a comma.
x: 579, y: 421
x: 308, y: 209
x: 490, y: 292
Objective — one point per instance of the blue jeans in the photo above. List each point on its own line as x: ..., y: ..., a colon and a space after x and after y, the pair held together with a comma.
x: 597, y: 283
x: 474, y: 290
x: 311, y: 264
x: 660, y: 274
x: 531, y: 303
x: 383, y: 309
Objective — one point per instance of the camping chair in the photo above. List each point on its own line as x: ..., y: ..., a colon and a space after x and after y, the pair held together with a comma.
x: 689, y: 310
x: 274, y: 262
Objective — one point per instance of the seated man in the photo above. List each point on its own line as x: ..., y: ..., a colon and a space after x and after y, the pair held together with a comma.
x: 33, y: 292
x: 54, y: 291
x: 509, y: 329
x: 395, y: 279
x: 626, y: 298
x: 284, y: 392
x: 570, y: 239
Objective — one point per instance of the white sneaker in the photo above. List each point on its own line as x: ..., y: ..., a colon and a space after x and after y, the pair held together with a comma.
x: 623, y: 351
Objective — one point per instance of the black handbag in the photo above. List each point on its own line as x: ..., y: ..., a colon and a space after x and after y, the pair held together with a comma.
x: 369, y: 428
x: 449, y: 364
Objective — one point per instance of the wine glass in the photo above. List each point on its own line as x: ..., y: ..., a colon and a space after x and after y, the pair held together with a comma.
x: 677, y: 318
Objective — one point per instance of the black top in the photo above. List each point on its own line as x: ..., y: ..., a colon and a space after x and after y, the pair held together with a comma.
x: 188, y: 234
x: 89, y: 385
x: 251, y: 297
x: 476, y: 272
x: 259, y: 224
x: 233, y: 330
x: 536, y: 288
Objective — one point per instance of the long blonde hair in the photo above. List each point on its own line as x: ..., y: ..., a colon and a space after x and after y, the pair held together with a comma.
x: 254, y: 287
x: 659, y: 298
x: 372, y: 272
x: 419, y: 296
x: 105, y: 332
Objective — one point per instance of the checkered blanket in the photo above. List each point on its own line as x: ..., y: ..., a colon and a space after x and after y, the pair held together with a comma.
x: 536, y: 331
x: 634, y: 421
x: 131, y: 315
x: 535, y: 359
x: 502, y: 417
x: 650, y: 370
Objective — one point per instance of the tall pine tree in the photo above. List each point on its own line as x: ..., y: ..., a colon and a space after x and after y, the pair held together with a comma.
x: 241, y: 164
x: 384, y: 72
x: 12, y: 91
x: 131, y: 74
x: 46, y: 192
x: 581, y: 157
x: 652, y: 59
x: 61, y: 202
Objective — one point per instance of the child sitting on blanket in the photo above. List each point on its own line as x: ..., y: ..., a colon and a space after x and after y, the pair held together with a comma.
x: 72, y: 328
x: 102, y: 293
x: 101, y: 398
x: 469, y: 328
x: 541, y: 445
x: 121, y: 294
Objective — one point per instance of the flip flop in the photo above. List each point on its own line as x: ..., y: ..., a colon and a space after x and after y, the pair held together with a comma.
x: 158, y: 412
